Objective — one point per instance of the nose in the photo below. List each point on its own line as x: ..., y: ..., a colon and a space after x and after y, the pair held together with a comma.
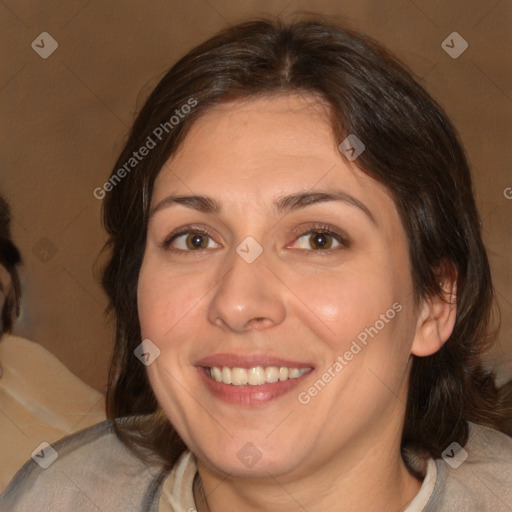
x: 249, y: 297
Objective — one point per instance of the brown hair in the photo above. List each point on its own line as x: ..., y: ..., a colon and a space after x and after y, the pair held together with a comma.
x: 9, y: 258
x: 411, y: 148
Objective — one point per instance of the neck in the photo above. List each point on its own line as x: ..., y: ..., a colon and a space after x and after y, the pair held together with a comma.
x: 360, y: 478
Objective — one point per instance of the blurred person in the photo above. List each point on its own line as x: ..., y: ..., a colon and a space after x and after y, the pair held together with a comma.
x: 40, y: 399
x: 301, y: 292
x: 10, y: 296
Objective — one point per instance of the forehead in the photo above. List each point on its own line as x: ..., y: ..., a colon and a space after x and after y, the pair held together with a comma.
x: 265, y: 148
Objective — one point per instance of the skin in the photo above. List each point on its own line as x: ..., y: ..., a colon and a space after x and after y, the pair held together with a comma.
x: 341, y: 451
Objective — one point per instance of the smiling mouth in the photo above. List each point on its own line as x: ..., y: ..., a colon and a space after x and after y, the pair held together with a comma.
x: 255, y: 376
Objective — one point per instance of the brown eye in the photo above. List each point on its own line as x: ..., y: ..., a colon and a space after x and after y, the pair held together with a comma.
x: 320, y: 240
x: 192, y: 240
x: 317, y: 240
x: 196, y: 241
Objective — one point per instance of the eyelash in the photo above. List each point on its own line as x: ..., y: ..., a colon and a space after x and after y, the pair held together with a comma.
x: 185, y: 230
x: 325, y: 229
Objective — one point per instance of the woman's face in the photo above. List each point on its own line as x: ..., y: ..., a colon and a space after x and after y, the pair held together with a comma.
x: 269, y: 257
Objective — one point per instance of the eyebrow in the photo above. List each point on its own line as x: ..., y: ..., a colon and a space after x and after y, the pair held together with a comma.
x: 283, y: 205
x: 199, y: 203
x: 301, y: 200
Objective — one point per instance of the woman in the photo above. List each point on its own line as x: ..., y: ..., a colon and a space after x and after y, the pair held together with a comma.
x: 40, y: 399
x: 301, y: 292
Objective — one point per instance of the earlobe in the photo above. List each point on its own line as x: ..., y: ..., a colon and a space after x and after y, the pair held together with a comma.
x: 436, y: 320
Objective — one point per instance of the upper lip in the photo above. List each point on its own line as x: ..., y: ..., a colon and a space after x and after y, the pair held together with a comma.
x: 248, y: 361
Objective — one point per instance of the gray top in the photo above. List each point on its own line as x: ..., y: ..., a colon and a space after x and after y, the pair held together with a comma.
x: 93, y: 471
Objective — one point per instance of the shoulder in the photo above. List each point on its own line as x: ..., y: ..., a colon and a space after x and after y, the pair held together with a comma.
x: 89, y: 469
x: 25, y: 357
x: 476, y: 477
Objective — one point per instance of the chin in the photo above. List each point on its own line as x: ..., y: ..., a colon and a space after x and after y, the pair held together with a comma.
x: 251, y: 461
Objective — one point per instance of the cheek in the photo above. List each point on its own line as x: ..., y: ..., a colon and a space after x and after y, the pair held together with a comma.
x: 339, y: 306
x: 165, y: 301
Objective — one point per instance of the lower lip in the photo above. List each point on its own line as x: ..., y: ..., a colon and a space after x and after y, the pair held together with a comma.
x: 250, y: 395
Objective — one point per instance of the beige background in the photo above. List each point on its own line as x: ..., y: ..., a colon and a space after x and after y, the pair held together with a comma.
x: 64, y: 119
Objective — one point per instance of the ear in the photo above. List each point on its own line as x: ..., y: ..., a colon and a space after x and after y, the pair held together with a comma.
x: 436, y: 319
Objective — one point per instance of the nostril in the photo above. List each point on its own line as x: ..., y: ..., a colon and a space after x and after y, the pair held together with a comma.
x: 258, y: 322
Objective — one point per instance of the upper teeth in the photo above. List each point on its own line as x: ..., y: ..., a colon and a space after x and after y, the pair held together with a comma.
x: 255, y: 376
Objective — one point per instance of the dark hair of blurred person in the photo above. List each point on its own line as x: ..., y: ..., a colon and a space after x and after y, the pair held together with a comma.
x: 10, y: 258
